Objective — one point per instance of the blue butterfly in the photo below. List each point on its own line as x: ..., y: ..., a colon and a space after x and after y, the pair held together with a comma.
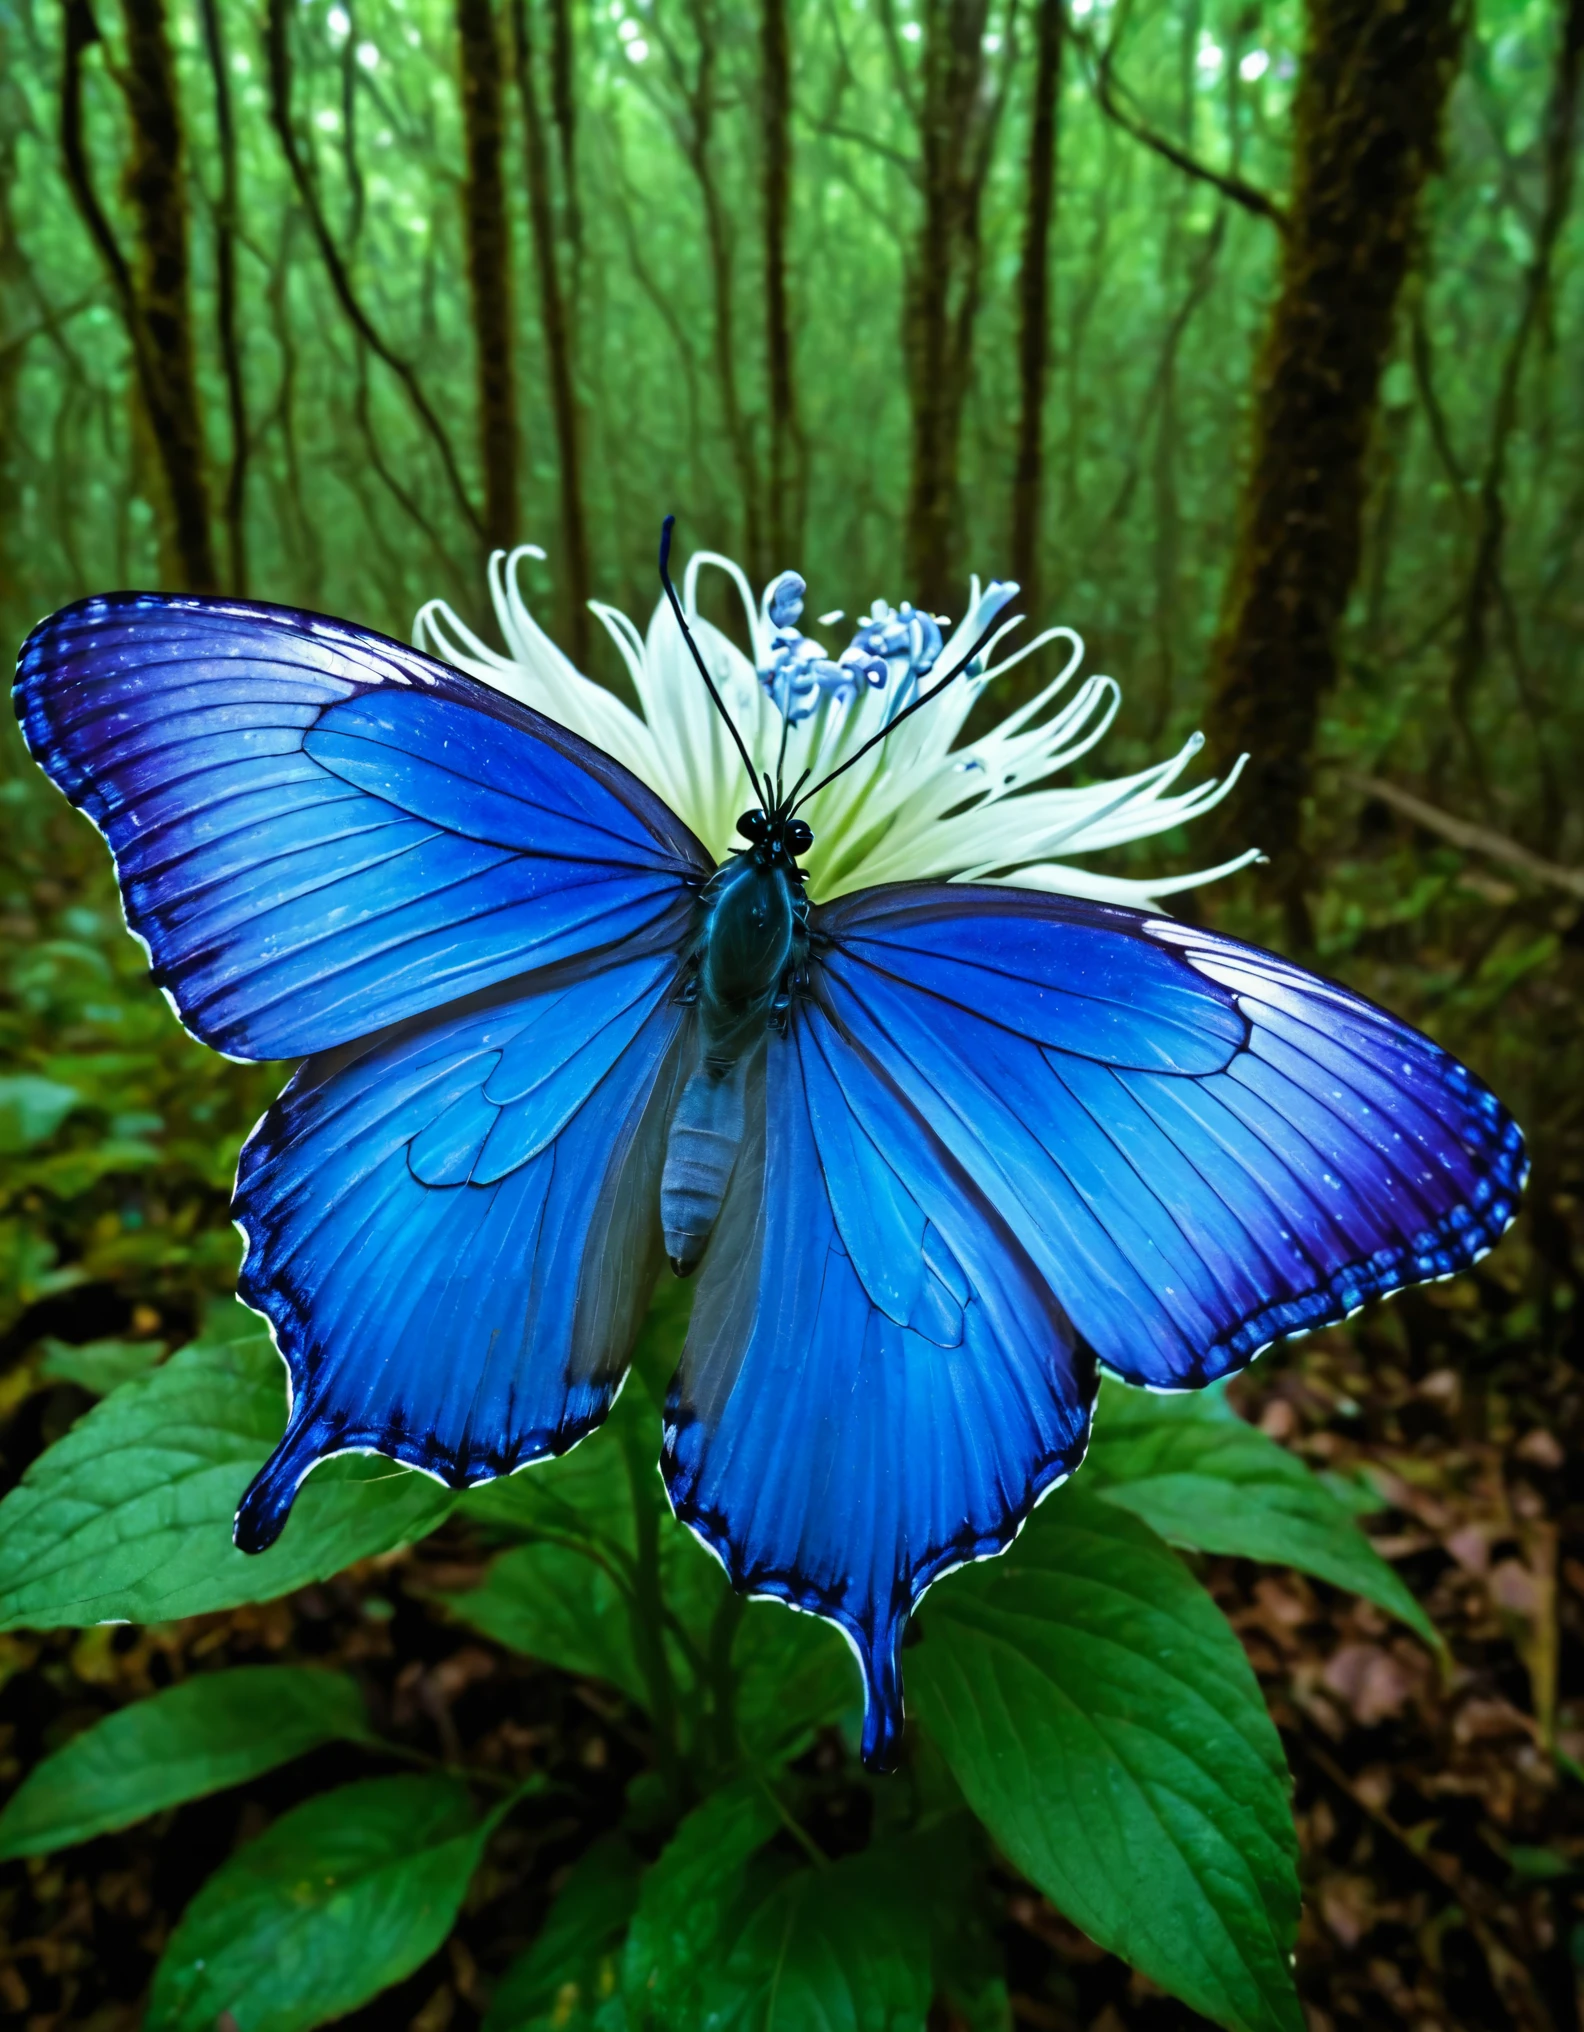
x: 939, y: 1151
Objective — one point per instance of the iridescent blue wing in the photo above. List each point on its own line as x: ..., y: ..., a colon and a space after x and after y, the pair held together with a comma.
x: 320, y: 832
x: 877, y: 1383
x: 454, y: 1227
x: 1200, y: 1146
x: 469, y: 922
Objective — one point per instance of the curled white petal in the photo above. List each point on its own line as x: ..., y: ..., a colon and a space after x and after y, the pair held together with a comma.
x: 916, y: 806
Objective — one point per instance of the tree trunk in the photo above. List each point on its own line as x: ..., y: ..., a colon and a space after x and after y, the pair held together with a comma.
x: 13, y: 350
x: 1367, y: 122
x: 225, y: 302
x: 788, y: 464
x: 718, y: 239
x: 563, y: 111
x: 941, y: 296
x: 488, y: 237
x: 572, y: 577
x: 1034, y: 301
x: 155, y: 305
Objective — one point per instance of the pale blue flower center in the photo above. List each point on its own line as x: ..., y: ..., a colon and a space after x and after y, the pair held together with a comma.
x: 893, y: 647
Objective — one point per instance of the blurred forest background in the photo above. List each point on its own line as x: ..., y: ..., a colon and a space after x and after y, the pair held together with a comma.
x: 1247, y: 334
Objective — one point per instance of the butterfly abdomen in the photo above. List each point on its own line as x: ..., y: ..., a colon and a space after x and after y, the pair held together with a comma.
x: 751, y: 941
x: 701, y: 1150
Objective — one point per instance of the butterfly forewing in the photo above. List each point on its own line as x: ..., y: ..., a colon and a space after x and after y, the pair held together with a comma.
x: 319, y: 831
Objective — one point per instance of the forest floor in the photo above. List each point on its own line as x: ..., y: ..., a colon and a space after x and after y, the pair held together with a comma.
x: 1440, y: 1809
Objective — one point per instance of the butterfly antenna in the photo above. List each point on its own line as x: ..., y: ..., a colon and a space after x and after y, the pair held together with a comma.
x: 786, y: 728
x: 703, y: 668
x: 907, y: 713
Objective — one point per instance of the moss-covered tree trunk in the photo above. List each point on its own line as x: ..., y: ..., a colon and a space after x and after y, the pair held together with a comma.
x: 488, y: 238
x: 1367, y: 121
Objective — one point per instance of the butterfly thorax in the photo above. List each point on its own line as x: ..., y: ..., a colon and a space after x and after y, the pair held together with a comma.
x: 749, y: 948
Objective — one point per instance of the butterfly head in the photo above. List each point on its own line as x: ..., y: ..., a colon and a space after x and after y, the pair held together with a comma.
x: 774, y: 837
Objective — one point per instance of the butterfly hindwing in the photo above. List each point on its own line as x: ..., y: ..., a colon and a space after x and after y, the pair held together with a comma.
x: 877, y: 1385
x: 1201, y: 1146
x: 320, y: 832
x: 454, y: 1228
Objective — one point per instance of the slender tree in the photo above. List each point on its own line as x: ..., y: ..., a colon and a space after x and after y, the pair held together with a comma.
x: 572, y: 577
x: 154, y: 296
x: 226, y: 221
x: 488, y: 237
x: 156, y: 188
x: 14, y: 340
x: 1034, y: 299
x: 957, y: 112
x: 1366, y: 129
x: 563, y: 113
x: 788, y: 460
x: 702, y: 95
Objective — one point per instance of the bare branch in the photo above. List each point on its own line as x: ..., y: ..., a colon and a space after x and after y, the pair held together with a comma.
x: 1461, y: 832
x: 1248, y: 195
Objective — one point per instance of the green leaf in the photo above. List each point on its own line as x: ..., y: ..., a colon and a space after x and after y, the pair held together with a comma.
x: 584, y: 1494
x: 98, y: 1366
x: 1201, y: 1476
x: 559, y: 1598
x: 687, y: 1896
x: 128, y: 1518
x: 340, y: 1898
x: 794, y: 1674
x: 1105, y: 1725
x: 554, y: 1604
x: 842, y: 1949
x: 726, y: 1939
x: 200, y: 1737
x: 952, y: 1863
x: 574, y: 1965
x: 31, y: 1110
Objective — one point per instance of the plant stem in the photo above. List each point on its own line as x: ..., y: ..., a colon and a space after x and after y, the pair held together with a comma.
x: 647, y: 1613
x: 722, y: 1678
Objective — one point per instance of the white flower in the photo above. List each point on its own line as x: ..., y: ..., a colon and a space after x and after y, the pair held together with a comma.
x: 916, y: 806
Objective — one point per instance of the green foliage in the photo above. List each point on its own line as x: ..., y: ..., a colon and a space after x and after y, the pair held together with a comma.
x: 177, y: 1745
x: 31, y: 1110
x: 1202, y: 1477
x: 1103, y: 1722
x: 97, y: 1366
x: 129, y: 1516
x: 751, y: 1676
x: 688, y: 1898
x: 846, y: 1946
x: 558, y: 1606
x: 574, y: 1967
x: 1083, y: 1692
x: 342, y: 1897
